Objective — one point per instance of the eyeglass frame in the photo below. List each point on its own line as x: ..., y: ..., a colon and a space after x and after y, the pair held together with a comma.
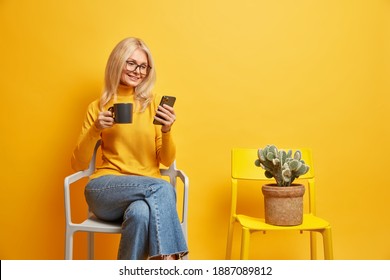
x: 138, y: 66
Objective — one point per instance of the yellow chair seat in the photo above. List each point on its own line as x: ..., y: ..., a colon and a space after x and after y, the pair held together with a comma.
x: 310, y: 222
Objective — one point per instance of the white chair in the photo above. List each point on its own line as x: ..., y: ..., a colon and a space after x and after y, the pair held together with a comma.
x: 92, y: 224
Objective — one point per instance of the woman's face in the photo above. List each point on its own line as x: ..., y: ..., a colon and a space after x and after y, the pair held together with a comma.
x: 135, y: 70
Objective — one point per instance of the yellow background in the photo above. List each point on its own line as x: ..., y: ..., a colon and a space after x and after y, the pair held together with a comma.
x: 245, y: 73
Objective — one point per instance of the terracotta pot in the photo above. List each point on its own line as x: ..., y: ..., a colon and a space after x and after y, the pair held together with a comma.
x: 283, y: 205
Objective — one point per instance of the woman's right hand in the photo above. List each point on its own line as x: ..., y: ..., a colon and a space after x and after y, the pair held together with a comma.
x: 104, y: 120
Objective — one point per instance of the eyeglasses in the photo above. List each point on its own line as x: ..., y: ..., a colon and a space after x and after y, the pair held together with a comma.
x: 132, y: 66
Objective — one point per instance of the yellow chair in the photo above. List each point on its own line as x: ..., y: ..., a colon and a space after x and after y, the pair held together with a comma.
x: 244, y: 168
x: 93, y: 225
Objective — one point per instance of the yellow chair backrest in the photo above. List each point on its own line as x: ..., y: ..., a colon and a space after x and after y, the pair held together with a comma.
x: 244, y: 168
x: 243, y: 164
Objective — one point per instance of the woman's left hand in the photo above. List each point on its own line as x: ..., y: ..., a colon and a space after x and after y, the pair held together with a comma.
x: 166, y: 116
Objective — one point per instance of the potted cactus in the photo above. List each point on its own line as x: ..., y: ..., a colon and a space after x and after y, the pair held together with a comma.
x: 283, y: 201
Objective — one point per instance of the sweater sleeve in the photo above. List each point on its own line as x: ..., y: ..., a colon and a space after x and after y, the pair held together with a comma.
x: 166, y: 148
x: 89, y: 135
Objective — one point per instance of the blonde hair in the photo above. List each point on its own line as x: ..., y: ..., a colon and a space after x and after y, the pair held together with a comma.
x: 116, y: 61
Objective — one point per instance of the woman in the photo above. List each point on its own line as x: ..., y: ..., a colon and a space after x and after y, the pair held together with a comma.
x: 127, y: 186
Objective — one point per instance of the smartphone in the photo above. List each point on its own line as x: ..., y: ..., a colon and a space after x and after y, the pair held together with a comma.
x: 169, y: 100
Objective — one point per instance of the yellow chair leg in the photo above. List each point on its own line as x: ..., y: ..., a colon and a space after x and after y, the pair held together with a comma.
x: 229, y: 241
x: 313, y: 245
x: 328, y: 245
x: 245, y: 239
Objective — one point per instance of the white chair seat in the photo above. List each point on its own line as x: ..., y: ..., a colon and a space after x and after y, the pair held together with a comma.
x: 97, y: 225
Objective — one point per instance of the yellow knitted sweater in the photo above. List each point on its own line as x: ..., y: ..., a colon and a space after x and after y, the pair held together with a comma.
x: 137, y: 148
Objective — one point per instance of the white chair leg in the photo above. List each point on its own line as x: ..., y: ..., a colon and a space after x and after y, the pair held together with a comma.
x: 68, y: 245
x: 91, y: 245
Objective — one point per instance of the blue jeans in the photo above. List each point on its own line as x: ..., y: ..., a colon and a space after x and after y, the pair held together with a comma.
x: 147, y: 208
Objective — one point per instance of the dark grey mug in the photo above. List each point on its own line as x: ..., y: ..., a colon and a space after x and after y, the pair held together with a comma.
x: 122, y: 112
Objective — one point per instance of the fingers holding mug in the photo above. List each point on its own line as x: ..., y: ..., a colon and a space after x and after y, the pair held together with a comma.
x: 104, y: 120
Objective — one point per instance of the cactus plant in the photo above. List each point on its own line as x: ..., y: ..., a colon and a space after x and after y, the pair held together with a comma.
x: 281, y: 165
